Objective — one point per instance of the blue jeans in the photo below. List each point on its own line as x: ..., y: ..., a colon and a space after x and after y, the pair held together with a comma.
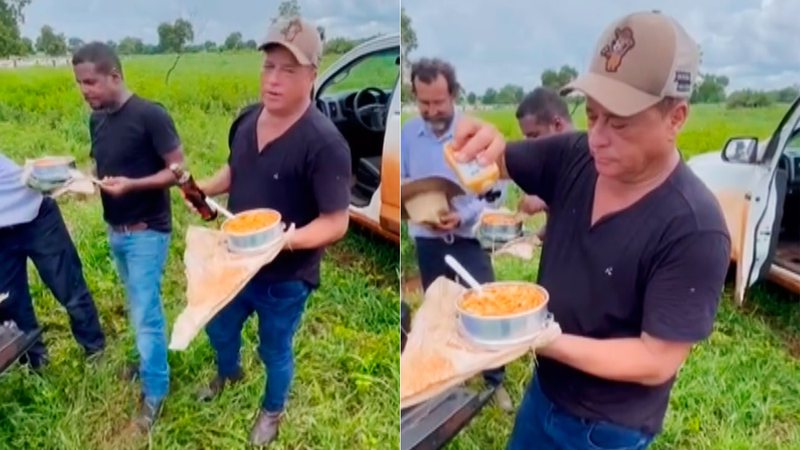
x: 279, y: 307
x: 541, y: 425
x: 140, y: 257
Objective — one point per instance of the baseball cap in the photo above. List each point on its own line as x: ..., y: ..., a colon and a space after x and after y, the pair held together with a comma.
x: 299, y: 36
x: 639, y: 60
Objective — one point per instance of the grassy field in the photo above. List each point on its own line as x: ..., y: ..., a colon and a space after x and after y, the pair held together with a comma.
x: 738, y: 390
x: 345, y: 390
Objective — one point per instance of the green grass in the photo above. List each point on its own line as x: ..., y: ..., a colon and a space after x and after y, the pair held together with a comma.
x: 738, y: 390
x: 344, y: 394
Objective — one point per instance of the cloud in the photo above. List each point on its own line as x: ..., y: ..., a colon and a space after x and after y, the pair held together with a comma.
x: 754, y: 42
x: 212, y: 20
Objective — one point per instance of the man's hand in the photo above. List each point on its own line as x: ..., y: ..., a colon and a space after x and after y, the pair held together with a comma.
x: 117, y: 186
x: 202, y: 186
x: 187, y: 202
x: 474, y: 139
x: 531, y: 204
x: 448, y: 222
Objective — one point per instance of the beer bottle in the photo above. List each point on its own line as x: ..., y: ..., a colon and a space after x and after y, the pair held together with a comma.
x: 193, y: 193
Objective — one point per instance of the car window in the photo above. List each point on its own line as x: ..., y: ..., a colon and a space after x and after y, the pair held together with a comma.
x: 378, y: 70
x: 794, y: 138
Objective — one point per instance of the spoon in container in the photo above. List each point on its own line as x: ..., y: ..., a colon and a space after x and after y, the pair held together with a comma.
x: 462, y: 272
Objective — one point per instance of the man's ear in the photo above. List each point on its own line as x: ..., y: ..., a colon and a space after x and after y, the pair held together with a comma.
x: 116, y: 75
x: 678, y: 116
x: 558, y: 125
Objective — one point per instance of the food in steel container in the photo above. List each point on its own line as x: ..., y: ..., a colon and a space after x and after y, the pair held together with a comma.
x: 53, y: 169
x: 503, y: 313
x: 500, y: 226
x: 252, y: 230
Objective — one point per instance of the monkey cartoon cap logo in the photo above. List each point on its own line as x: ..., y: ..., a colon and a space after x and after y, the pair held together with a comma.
x: 617, y: 49
x: 292, y: 29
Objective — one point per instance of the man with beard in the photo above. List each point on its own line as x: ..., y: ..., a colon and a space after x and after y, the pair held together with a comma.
x: 31, y: 226
x: 541, y: 113
x: 133, y: 143
x: 288, y: 156
x: 434, y: 85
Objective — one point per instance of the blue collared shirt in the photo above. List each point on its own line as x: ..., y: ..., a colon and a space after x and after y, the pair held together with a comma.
x: 18, y: 203
x: 422, y: 155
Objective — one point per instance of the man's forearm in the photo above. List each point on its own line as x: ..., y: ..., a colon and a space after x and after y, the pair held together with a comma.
x: 218, y: 184
x: 160, y: 180
x: 621, y: 359
x: 320, y: 232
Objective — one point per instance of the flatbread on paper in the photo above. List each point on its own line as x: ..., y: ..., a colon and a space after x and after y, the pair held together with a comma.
x: 213, y: 278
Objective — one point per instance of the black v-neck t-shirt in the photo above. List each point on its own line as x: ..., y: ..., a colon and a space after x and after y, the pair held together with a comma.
x: 303, y: 173
x: 657, y: 266
x: 132, y: 142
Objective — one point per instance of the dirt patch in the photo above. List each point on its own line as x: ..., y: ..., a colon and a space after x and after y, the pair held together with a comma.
x: 344, y: 257
x: 792, y: 345
x: 412, y: 286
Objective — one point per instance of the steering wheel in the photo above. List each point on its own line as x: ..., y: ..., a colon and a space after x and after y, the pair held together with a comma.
x: 372, y: 116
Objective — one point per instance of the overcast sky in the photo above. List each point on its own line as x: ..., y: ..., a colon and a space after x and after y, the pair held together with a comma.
x: 212, y: 19
x: 756, y: 43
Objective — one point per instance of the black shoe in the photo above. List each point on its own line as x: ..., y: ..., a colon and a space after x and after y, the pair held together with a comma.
x: 217, y: 385
x: 36, y: 363
x: 94, y: 355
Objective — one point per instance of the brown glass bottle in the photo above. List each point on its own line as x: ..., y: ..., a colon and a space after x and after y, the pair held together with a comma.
x: 193, y: 193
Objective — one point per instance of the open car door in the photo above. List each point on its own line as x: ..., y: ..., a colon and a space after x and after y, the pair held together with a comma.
x: 765, y: 198
x: 390, y: 166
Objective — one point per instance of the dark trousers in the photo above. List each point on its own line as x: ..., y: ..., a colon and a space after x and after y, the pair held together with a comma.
x: 430, y: 258
x: 280, y: 307
x: 46, y: 241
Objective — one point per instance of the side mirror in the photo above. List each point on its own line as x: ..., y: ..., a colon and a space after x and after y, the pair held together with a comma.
x: 741, y: 150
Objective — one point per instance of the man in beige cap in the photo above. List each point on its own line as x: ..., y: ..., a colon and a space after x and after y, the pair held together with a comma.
x: 637, y: 248
x: 299, y: 164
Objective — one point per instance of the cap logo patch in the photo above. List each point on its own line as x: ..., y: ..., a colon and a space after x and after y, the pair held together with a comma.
x: 683, y: 81
x: 291, y: 29
x: 616, y: 50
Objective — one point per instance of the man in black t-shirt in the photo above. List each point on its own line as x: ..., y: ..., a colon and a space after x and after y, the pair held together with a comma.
x: 288, y: 156
x: 133, y: 143
x: 637, y: 247
x: 541, y: 113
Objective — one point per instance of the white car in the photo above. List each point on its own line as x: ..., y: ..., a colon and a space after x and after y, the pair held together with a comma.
x: 758, y: 187
x: 360, y: 93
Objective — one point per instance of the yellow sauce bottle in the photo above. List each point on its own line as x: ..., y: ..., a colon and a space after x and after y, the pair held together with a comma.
x: 472, y: 174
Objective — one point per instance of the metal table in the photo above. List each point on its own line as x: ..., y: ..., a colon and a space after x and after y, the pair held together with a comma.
x: 14, y: 343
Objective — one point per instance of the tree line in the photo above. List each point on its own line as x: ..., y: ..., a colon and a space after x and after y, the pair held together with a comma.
x: 711, y: 89
x: 175, y: 37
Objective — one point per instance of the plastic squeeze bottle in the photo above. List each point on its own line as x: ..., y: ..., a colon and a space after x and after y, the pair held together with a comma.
x: 475, y: 177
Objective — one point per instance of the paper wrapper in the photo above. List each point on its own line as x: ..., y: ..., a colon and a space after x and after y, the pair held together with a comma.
x: 79, y: 183
x: 213, y: 278
x: 437, y: 357
x: 522, y: 248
